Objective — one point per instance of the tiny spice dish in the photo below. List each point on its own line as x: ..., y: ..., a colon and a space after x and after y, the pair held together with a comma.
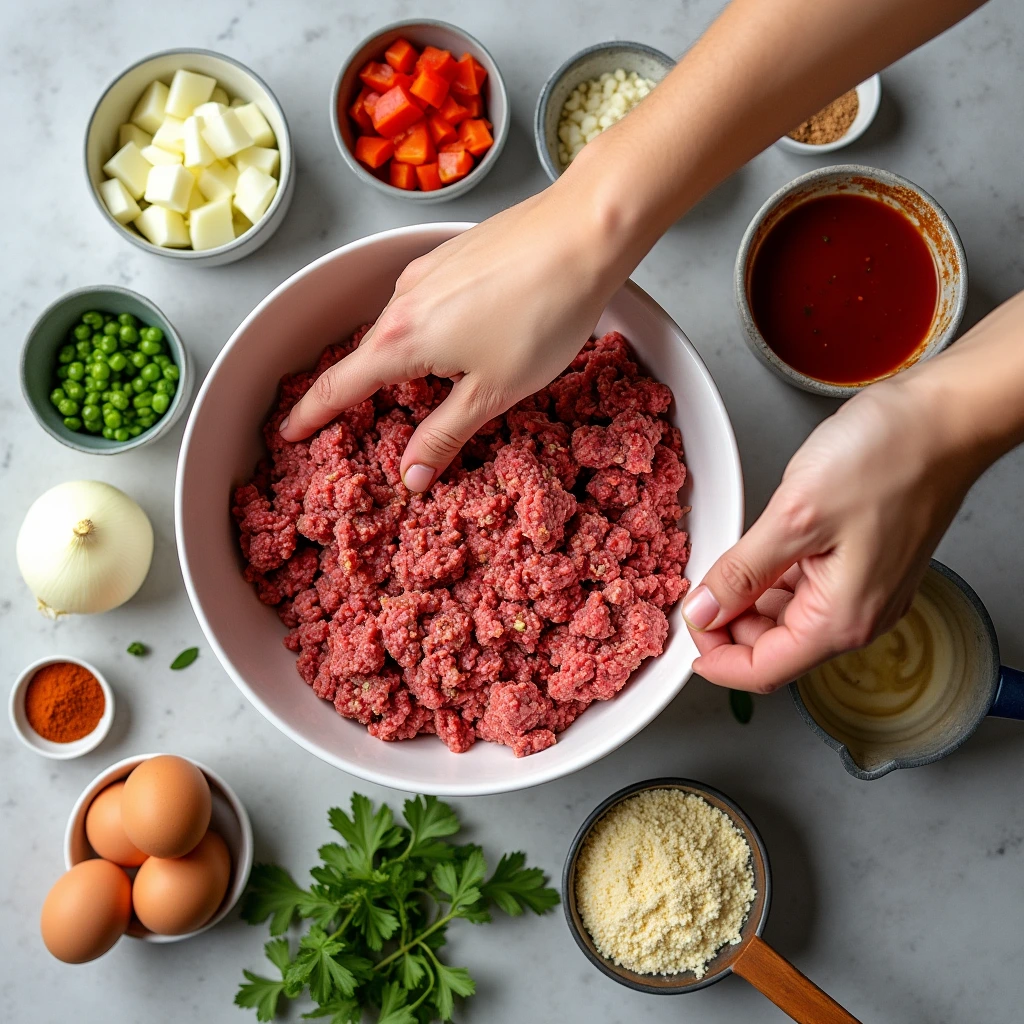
x: 869, y: 97
x: 20, y: 714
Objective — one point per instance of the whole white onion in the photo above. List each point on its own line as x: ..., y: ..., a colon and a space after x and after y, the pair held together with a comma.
x: 84, y: 547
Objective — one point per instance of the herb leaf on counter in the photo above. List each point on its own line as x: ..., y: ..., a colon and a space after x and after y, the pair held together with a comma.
x: 742, y: 706
x: 378, y: 912
x: 138, y: 649
x: 185, y: 659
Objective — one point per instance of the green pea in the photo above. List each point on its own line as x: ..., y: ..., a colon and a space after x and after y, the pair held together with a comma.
x: 91, y: 383
x: 122, y: 434
x: 111, y: 328
x: 101, y: 371
x: 96, y: 339
x: 162, y: 361
x: 146, y: 422
x: 172, y: 372
x: 66, y: 354
x: 154, y: 334
x: 143, y: 401
x: 94, y: 426
x: 127, y: 320
x: 112, y: 418
x: 72, y: 423
x: 139, y: 385
x: 97, y: 355
x: 108, y: 433
x: 69, y: 407
x: 57, y: 396
x: 128, y: 334
x: 74, y: 390
x: 118, y: 361
x: 92, y: 318
x: 119, y: 400
x: 151, y: 348
x: 160, y: 403
x: 150, y: 372
x: 135, y: 430
x: 138, y: 359
x: 90, y: 412
x: 83, y: 332
x: 62, y: 373
x: 165, y: 387
x: 83, y: 348
x: 76, y: 370
x: 108, y: 346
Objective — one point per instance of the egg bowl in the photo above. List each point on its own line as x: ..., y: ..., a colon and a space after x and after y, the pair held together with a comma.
x: 115, y: 106
x: 229, y: 818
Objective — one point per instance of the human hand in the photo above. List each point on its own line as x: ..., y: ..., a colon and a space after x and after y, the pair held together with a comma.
x: 838, y: 553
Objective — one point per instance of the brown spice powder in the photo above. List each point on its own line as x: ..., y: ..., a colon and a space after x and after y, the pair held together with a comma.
x: 830, y: 123
x: 64, y: 702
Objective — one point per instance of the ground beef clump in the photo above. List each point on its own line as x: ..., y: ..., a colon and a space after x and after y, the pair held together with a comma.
x: 532, y: 579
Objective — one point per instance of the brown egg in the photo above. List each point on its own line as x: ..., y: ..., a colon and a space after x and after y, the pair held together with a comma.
x: 165, y: 806
x: 105, y: 832
x: 175, y: 896
x: 86, y: 911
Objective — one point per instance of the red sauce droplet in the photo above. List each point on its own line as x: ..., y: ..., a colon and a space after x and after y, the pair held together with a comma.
x: 843, y: 289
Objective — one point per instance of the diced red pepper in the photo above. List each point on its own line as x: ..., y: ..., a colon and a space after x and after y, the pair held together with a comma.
x: 458, y: 146
x: 474, y: 105
x: 415, y: 146
x: 370, y: 105
x: 476, y: 136
x: 373, y: 150
x: 395, y: 111
x: 451, y: 110
x: 440, y: 130
x: 453, y: 165
x: 429, y: 179
x: 403, y: 176
x: 402, y: 55
x: 359, y: 113
x: 430, y: 87
x: 376, y: 76
x: 469, y: 76
x: 441, y: 62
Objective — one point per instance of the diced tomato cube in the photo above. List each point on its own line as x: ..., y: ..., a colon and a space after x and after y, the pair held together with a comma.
x: 415, y: 146
x: 429, y: 179
x: 403, y: 176
x: 402, y: 55
x: 395, y: 111
x: 474, y: 105
x: 359, y: 113
x: 440, y: 130
x: 373, y: 150
x: 377, y: 76
x: 441, y: 62
x: 469, y: 76
x: 476, y: 136
x: 370, y: 104
x: 430, y: 87
x: 451, y: 110
x: 453, y: 165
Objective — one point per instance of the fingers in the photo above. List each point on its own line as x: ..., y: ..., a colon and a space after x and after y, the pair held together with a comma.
x: 440, y: 437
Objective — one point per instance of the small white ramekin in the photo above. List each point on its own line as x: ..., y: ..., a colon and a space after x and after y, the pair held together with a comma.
x: 869, y: 96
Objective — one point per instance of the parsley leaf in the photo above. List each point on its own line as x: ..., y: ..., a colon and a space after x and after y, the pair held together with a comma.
x: 319, y: 966
x: 341, y: 1011
x: 515, y: 888
x: 365, y: 833
x: 429, y: 819
x: 261, y: 993
x: 136, y: 648
x: 451, y: 980
x: 461, y: 885
x: 392, y: 1006
x: 185, y: 659
x: 272, y: 893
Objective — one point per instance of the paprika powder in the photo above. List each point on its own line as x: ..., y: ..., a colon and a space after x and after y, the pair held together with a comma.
x: 64, y: 702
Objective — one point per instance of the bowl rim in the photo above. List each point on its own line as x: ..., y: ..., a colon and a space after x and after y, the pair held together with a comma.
x: 752, y: 335
x: 183, y: 361
x: 386, y: 778
x: 872, y: 89
x: 544, y: 96
x: 456, y: 189
x: 120, y: 770
x: 48, y: 748
x: 283, y: 183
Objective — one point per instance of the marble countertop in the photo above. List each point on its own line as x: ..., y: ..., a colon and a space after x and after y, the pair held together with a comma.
x: 903, y: 898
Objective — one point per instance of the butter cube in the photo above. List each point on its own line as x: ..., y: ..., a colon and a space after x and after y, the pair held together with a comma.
x: 133, y: 133
x: 151, y: 108
x: 253, y: 192
x: 239, y: 222
x: 171, y: 134
x: 130, y: 167
x: 265, y: 160
x: 187, y: 91
x: 210, y: 225
x: 118, y: 200
x: 219, y: 96
x: 218, y: 181
x: 163, y: 227
x: 170, y: 186
x: 197, y: 152
x: 237, y: 102
x: 256, y: 125
x: 211, y: 109
x: 155, y: 155
x: 225, y: 135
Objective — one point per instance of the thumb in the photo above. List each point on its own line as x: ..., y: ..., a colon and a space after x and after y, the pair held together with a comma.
x: 749, y: 568
x: 440, y: 437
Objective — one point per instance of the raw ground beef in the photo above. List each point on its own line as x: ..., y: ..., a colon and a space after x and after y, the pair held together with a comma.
x: 529, y: 582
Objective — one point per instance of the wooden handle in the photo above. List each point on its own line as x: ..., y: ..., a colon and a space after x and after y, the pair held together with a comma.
x: 775, y: 977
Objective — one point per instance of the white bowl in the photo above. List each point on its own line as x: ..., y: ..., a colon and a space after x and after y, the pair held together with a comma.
x: 323, y: 303
x: 115, y: 107
x: 869, y: 96
x: 229, y: 818
x: 32, y: 739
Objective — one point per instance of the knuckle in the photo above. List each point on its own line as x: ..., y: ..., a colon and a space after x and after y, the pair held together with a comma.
x: 393, y: 325
x: 798, y: 513
x: 736, y: 574
x: 410, y: 275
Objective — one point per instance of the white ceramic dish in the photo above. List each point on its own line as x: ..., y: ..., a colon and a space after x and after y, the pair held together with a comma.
x: 229, y: 818
x: 869, y: 96
x: 223, y: 441
x: 115, y: 107
x: 420, y: 32
x: 32, y: 739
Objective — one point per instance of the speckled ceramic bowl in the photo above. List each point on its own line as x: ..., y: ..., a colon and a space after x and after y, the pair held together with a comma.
x: 590, y: 63
x: 922, y: 210
x: 869, y: 97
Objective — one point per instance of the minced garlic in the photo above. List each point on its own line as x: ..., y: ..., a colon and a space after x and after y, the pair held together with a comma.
x: 663, y: 881
x: 595, y: 105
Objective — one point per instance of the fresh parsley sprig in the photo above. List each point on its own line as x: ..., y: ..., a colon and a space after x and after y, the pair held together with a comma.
x: 378, y: 911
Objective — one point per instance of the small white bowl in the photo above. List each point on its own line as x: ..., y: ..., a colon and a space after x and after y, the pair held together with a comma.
x: 229, y: 818
x: 869, y: 96
x: 115, y: 107
x: 32, y: 739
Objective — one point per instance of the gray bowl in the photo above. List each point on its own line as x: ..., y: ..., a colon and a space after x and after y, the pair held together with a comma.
x: 590, y: 63
x: 420, y: 32
x: 49, y: 334
x: 936, y: 228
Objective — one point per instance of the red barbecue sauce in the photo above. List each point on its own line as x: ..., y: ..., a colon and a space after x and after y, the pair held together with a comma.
x: 844, y: 288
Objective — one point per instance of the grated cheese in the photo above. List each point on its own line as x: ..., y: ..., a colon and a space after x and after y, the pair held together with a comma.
x: 663, y: 881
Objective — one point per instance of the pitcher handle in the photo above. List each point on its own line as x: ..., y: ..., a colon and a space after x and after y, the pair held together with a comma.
x: 1009, y: 702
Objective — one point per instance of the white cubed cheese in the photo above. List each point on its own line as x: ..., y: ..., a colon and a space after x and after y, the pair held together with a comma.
x: 133, y: 133
x: 118, y: 200
x: 151, y: 108
x: 195, y: 200
x: 130, y: 167
x: 219, y: 96
x: 225, y: 134
x: 237, y: 102
x: 171, y: 134
x: 256, y: 125
x: 239, y: 222
x: 263, y: 159
x: 170, y: 186
x: 163, y: 227
x: 155, y: 155
x: 218, y: 181
x: 188, y: 90
x: 209, y: 225
x: 209, y: 109
x: 253, y: 193
x: 197, y: 152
